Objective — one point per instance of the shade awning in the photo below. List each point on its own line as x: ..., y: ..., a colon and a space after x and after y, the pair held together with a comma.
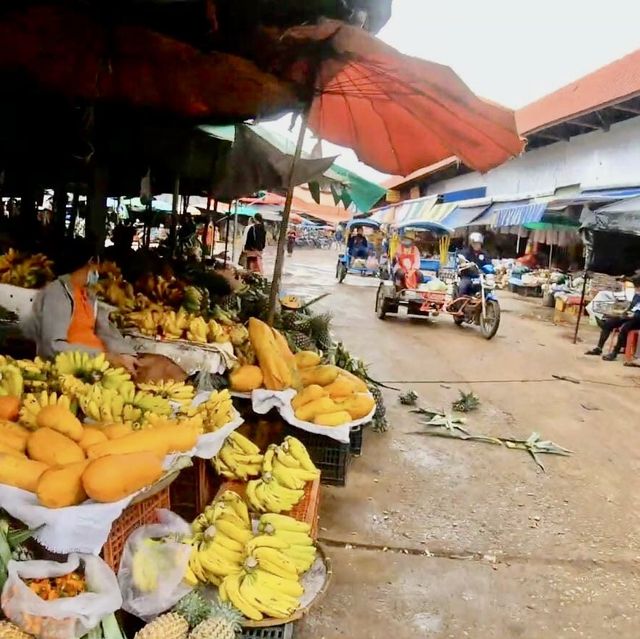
x: 461, y: 217
x: 520, y: 215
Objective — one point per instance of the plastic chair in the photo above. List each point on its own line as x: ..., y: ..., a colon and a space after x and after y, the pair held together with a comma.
x: 630, y: 347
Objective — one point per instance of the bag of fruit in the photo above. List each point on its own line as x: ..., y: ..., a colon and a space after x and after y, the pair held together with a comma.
x: 153, y: 566
x: 60, y: 600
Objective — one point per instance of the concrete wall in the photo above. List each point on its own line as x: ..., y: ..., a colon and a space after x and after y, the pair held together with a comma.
x: 594, y: 160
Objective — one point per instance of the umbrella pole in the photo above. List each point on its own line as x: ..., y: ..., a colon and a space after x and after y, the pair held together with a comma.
x: 581, y: 307
x: 282, y: 239
x: 235, y: 231
x: 174, y: 214
x: 227, y: 224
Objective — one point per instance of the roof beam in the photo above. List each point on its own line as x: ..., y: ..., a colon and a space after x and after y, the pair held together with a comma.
x: 584, y: 123
x: 604, y: 120
x: 626, y: 108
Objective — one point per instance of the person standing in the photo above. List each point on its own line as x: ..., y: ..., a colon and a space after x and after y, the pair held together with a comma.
x: 630, y: 321
x: 254, y: 244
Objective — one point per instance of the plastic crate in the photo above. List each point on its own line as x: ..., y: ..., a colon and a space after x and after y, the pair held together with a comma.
x: 194, y: 489
x: 271, y: 632
x: 306, y: 510
x: 355, y: 437
x: 133, y: 516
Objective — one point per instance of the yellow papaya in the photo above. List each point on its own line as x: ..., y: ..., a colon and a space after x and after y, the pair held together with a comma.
x: 246, y: 378
x: 53, y: 448
x: 339, y: 418
x: 61, y: 486
x: 341, y: 388
x: 91, y: 436
x: 14, y: 435
x: 113, y: 477
x: 308, y: 394
x: 284, y: 348
x: 275, y: 370
x: 140, y: 441
x: 307, y: 359
x: 320, y: 375
x: 60, y: 419
x: 308, y: 412
x: 20, y: 472
x: 179, y: 438
x: 10, y: 450
x: 358, y: 406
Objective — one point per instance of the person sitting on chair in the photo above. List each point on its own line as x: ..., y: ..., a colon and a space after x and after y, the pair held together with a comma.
x: 630, y: 321
x: 407, y: 272
x: 358, y: 245
x: 473, y: 253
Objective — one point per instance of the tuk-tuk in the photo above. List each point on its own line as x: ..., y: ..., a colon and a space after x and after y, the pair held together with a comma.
x: 356, y: 264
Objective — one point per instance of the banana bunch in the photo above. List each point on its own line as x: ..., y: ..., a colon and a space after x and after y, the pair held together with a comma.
x: 33, y: 403
x: 193, y: 298
x: 198, y: 330
x: 238, y: 334
x: 115, y: 291
x: 269, y: 584
x: 290, y: 469
x: 172, y: 391
x: 29, y: 271
x: 11, y: 381
x: 216, y: 412
x: 219, y: 538
x: 217, y: 333
x: 147, y: 402
x: 108, y: 406
x: 146, y: 321
x: 285, y: 471
x: 173, y: 325
x: 151, y: 420
x: 239, y: 458
x: 35, y: 374
x: 81, y: 364
x: 293, y: 532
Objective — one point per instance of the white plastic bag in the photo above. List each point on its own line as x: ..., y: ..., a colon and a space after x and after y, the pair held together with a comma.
x: 68, y: 618
x: 153, y: 565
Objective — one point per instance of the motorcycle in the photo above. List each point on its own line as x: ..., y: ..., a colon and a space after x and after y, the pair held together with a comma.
x: 482, y: 307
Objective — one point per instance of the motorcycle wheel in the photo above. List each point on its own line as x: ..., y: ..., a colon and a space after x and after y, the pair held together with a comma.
x: 489, y: 325
x: 458, y: 321
x: 382, y: 303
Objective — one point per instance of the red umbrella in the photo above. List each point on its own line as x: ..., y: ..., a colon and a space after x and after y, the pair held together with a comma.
x: 72, y: 54
x: 396, y: 112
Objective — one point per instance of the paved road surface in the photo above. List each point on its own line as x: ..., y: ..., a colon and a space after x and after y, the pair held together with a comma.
x: 480, y: 543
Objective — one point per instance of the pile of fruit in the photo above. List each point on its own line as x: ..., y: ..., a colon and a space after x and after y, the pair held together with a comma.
x: 52, y: 588
x: 258, y: 574
x: 239, y: 458
x: 27, y: 271
x: 172, y: 325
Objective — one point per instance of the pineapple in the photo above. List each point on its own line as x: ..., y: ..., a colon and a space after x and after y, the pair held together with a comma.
x: 167, y: 626
x: 320, y: 331
x: 224, y: 623
x: 380, y: 423
x: 194, y: 608
x: 466, y: 403
x: 11, y: 631
x: 300, y: 342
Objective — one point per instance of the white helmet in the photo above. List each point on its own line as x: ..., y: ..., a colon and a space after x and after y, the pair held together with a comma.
x: 476, y: 238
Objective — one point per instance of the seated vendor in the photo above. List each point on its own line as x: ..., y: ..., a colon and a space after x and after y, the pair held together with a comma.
x: 67, y: 316
x: 358, y: 245
x: 630, y: 321
x: 407, y: 272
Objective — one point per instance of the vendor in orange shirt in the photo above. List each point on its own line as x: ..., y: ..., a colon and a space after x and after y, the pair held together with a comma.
x: 67, y: 316
x: 407, y: 272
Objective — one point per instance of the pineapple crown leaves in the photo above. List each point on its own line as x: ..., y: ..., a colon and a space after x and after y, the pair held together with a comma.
x: 466, y: 402
x: 410, y: 398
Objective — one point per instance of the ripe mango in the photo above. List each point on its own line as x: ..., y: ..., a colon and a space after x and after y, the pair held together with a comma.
x: 246, y: 378
x: 361, y: 386
x: 307, y: 359
x: 60, y: 419
x: 91, y: 436
x: 308, y: 394
x: 341, y: 388
x: 308, y: 412
x: 13, y: 435
x: 358, y: 406
x: 54, y: 449
x: 320, y: 375
x: 115, y: 431
x: 339, y: 418
x: 62, y: 486
x: 20, y: 472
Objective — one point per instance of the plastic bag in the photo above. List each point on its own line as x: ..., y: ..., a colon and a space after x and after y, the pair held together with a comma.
x: 153, y: 566
x: 68, y: 618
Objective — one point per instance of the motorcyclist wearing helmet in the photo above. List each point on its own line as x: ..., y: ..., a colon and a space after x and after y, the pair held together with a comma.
x: 473, y: 253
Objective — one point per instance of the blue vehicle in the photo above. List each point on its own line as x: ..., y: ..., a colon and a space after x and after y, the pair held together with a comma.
x: 481, y: 308
x: 348, y: 263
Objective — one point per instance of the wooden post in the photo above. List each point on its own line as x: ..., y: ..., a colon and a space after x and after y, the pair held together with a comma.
x: 174, y: 214
x: 581, y: 308
x: 282, y: 239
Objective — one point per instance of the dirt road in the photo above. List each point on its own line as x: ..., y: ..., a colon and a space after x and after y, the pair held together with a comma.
x: 440, y: 538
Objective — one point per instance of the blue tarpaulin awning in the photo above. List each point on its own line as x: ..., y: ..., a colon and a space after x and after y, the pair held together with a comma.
x: 461, y: 217
x: 519, y: 215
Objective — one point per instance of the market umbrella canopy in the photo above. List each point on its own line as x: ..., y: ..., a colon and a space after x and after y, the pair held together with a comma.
x: 396, y: 112
x: 74, y: 54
